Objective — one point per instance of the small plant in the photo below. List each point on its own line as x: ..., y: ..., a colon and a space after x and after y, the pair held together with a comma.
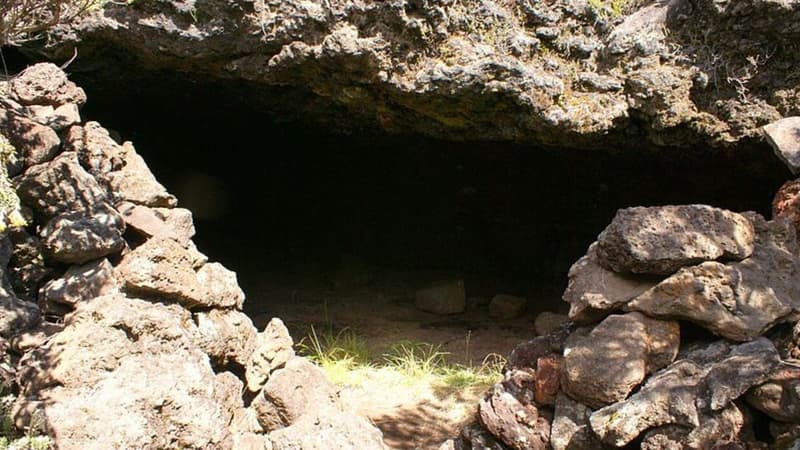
x: 340, y: 355
x: 10, y: 438
x: 23, y: 20
x: 9, y: 201
x: 416, y: 359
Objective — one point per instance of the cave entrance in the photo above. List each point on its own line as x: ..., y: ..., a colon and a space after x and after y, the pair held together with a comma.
x: 338, y: 231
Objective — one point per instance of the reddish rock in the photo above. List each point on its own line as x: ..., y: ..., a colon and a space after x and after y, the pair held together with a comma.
x: 548, y: 376
x: 519, y: 426
x: 787, y: 203
x: 45, y: 84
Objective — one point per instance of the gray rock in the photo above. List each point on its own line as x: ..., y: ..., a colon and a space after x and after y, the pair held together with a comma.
x: 505, y: 307
x: 784, y: 137
x: 127, y: 364
x: 443, y: 298
x: 135, y: 183
x: 76, y: 238
x: 599, y: 83
x: 571, y: 429
x: 79, y: 284
x: 604, y: 365
x: 97, y: 151
x: 58, y: 187
x: 327, y: 428
x: 298, y: 388
x: 274, y: 347
x: 226, y: 336
x: 660, y: 240
x: 594, y: 291
x: 702, y: 381
x: 738, y: 300
x: 45, y: 84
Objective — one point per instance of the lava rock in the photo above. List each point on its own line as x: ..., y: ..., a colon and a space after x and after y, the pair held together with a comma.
x: 292, y: 391
x: 59, y: 118
x: 35, y: 143
x: 784, y: 136
x: 661, y: 240
x: 126, y: 364
x: 175, y: 223
x: 548, y: 322
x: 274, y: 347
x: 571, y: 429
x: 75, y: 238
x: 719, y: 430
x: 605, y: 364
x: 702, y: 381
x: 519, y: 426
x: 779, y: 397
x: 786, y: 203
x: 45, y: 84
x: 16, y: 315
x: 226, y: 336
x: 60, y: 186
x: 506, y: 307
x: 443, y: 298
x: 135, y: 183
x: 221, y: 286
x: 738, y: 300
x: 97, y: 151
x: 79, y: 284
x: 594, y: 291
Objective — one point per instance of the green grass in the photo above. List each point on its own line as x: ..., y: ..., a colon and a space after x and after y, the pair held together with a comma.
x: 347, y: 360
x: 13, y: 439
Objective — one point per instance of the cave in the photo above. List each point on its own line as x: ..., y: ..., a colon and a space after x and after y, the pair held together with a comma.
x: 317, y: 221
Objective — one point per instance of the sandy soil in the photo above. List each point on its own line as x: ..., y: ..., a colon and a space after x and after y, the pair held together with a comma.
x: 418, y: 415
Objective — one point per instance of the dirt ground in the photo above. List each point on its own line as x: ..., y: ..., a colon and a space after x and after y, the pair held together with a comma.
x: 382, y: 311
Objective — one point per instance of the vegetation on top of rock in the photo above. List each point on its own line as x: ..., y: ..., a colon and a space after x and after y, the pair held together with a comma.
x: 23, y: 20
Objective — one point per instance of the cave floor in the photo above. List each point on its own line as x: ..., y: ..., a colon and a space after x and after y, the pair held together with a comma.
x: 416, y: 415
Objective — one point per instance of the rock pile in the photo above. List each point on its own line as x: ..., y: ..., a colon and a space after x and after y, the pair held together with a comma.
x: 676, y: 342
x: 122, y: 334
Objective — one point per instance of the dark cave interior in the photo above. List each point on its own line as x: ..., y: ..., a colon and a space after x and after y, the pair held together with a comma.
x: 274, y: 196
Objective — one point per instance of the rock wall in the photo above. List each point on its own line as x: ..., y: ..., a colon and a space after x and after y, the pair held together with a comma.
x: 119, y: 332
x: 569, y: 73
x: 630, y: 372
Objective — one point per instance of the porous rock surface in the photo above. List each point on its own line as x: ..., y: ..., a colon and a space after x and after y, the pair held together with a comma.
x: 578, y: 73
x: 627, y: 378
x: 133, y: 339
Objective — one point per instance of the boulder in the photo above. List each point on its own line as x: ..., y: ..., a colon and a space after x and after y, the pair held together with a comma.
x: 79, y: 284
x: 784, y: 137
x: 548, y: 379
x: 220, y: 286
x: 226, y: 336
x: 519, y: 426
x: 135, y: 183
x: 45, y: 84
x: 328, y: 427
x: 298, y: 388
x: 76, y: 238
x: 704, y: 380
x: 163, y: 267
x: 443, y: 298
x: 35, y: 143
x: 548, y: 322
x: 504, y: 307
x: 125, y: 373
x: 149, y: 222
x: 604, y: 365
x: 738, y: 300
x: 660, y: 240
x: 779, y: 397
x: 594, y: 291
x: 274, y: 347
x: 60, y: 186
